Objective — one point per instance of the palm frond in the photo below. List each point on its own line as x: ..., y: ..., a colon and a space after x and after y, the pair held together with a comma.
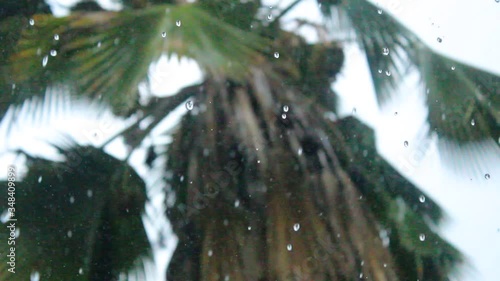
x: 408, y: 215
x: 108, y: 53
x: 79, y: 219
x: 47, y: 116
x: 463, y: 101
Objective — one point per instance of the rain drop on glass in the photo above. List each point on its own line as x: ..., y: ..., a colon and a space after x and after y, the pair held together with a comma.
x: 45, y: 60
x: 421, y: 237
x: 35, y: 276
x: 296, y: 227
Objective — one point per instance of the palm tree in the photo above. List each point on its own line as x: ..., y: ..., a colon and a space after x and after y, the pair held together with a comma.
x: 266, y: 187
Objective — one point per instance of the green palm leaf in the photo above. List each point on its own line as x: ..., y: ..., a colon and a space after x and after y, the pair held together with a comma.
x: 79, y: 219
x: 464, y: 102
x: 107, y: 54
x: 457, y: 93
x: 408, y: 214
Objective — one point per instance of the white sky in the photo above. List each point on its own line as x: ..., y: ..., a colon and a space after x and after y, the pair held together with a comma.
x: 470, y: 33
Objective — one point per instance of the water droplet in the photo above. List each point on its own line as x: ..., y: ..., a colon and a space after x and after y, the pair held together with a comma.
x: 289, y: 247
x: 72, y: 200
x: 45, y: 60
x: 285, y: 108
x: 362, y: 263
x: 226, y: 278
x: 5, y: 216
x: 283, y: 116
x: 56, y: 37
x: 361, y: 275
x: 472, y: 122
x: 35, y: 276
x: 269, y: 17
x: 388, y: 72
x: 487, y: 176
x: 395, y: 113
x: 421, y: 198
x: 453, y: 68
x: 439, y: 40
x: 178, y: 23
x: 225, y: 222
x: 53, y: 53
x: 380, y: 71
x: 70, y: 233
x: 385, y: 51
x: 163, y: 34
x: 237, y: 203
x: 89, y: 193
x: 406, y: 143
x: 379, y: 11
x: 210, y: 253
x: 258, y: 161
x: 189, y: 105
x: 99, y: 44
x: 299, y: 151
x: 385, y: 265
x: 80, y: 271
x: 249, y: 228
x: 296, y: 227
x: 276, y: 54
x: 40, y: 179
x: 32, y: 22
x: 421, y: 237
